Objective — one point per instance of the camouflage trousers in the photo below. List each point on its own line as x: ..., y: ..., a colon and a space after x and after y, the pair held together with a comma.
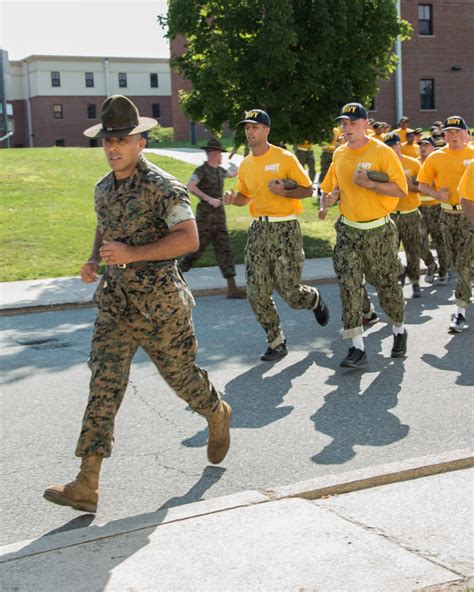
x: 431, y: 226
x: 325, y: 162
x: 306, y: 158
x: 409, y: 235
x: 212, y: 228
x: 459, y: 235
x: 370, y: 255
x: 153, y: 312
x: 274, y: 259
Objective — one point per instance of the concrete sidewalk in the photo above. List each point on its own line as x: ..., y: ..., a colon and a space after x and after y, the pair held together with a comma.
x: 406, y: 535
x: 31, y: 295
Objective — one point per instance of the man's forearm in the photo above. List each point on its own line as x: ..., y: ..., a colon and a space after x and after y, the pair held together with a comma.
x: 175, y: 244
x: 240, y: 199
x: 194, y: 189
x: 426, y: 189
x: 95, y: 256
x: 299, y: 192
x: 390, y: 189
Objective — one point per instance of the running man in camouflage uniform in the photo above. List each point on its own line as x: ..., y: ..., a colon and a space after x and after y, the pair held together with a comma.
x: 207, y: 183
x: 274, y: 253
x: 144, y: 221
x: 366, y: 238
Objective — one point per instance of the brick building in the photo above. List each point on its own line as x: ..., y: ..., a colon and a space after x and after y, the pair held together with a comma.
x: 435, y: 78
x: 52, y: 99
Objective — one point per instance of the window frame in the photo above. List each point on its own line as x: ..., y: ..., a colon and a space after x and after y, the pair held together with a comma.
x: 153, y: 77
x: 432, y: 94
x: 428, y: 22
x: 122, y: 78
x: 56, y: 79
x: 93, y: 107
x: 89, y: 79
x: 58, y: 113
x: 153, y: 107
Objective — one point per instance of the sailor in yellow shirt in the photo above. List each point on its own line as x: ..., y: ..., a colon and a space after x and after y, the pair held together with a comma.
x: 407, y: 216
x: 366, y: 237
x: 274, y: 253
x: 410, y: 147
x: 430, y: 210
x: 402, y: 128
x: 439, y: 177
x: 304, y: 153
x: 466, y: 192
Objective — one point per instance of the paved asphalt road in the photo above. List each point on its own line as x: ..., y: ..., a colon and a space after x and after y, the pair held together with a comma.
x: 297, y: 419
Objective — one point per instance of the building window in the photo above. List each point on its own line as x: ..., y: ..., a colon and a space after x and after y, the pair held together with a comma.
x: 122, y: 77
x: 60, y: 143
x: 93, y: 142
x: 91, y: 112
x: 425, y: 19
x: 89, y: 79
x: 154, y: 80
x: 155, y: 110
x: 55, y: 79
x: 427, y: 93
x: 57, y: 111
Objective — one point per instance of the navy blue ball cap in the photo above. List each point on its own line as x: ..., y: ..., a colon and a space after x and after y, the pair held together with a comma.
x: 455, y: 122
x: 256, y: 116
x: 353, y: 111
x: 391, y: 139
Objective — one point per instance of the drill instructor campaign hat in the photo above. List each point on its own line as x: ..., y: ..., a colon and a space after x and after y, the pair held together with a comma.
x: 256, y: 116
x: 455, y: 122
x: 213, y: 145
x: 352, y: 111
x: 119, y: 117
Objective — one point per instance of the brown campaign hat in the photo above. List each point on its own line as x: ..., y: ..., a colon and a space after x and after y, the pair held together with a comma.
x: 119, y: 117
x: 213, y: 145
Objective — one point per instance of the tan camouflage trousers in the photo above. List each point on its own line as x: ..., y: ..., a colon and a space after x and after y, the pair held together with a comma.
x: 370, y: 255
x: 212, y: 228
x: 459, y: 235
x: 155, y: 314
x: 409, y: 233
x: 431, y: 226
x: 274, y: 261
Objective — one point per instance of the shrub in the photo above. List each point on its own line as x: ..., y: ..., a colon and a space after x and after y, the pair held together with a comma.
x: 161, y: 134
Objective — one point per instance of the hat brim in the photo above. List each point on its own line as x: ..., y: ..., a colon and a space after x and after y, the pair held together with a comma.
x: 98, y: 131
x: 351, y: 117
x: 252, y: 121
x: 454, y: 127
x: 207, y: 149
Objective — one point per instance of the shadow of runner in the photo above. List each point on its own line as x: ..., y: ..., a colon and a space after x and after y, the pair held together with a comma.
x: 354, y: 418
x: 210, y: 476
x: 457, y: 358
x: 255, y: 399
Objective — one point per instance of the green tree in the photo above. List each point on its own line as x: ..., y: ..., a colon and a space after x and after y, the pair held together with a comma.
x: 300, y: 60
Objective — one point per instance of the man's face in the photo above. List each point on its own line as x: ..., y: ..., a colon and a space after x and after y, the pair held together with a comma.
x: 410, y: 138
x: 256, y: 134
x: 455, y: 138
x: 354, y: 130
x: 404, y: 124
x: 425, y: 150
x: 123, y: 153
x: 214, y: 157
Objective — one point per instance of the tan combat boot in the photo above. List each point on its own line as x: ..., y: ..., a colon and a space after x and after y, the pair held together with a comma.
x: 233, y: 292
x: 219, y: 433
x: 82, y: 493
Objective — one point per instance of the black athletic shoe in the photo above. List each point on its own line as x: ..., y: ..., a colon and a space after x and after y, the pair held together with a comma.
x: 458, y: 323
x: 321, y: 312
x: 275, y: 353
x: 354, y: 359
x: 399, y: 349
x: 370, y: 320
x: 416, y: 291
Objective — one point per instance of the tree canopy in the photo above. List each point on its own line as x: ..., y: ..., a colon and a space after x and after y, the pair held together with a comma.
x: 299, y: 60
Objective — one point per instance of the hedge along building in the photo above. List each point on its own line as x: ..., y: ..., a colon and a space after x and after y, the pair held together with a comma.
x: 435, y: 78
x: 52, y: 99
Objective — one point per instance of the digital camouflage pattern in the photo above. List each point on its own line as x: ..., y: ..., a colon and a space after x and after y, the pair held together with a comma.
x: 145, y: 304
x: 274, y: 259
x: 431, y: 226
x: 409, y: 235
x: 370, y: 255
x: 459, y: 235
x: 211, y: 222
x: 306, y: 158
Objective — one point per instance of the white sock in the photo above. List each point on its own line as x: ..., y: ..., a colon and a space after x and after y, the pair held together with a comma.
x: 398, y: 330
x: 460, y: 310
x: 358, y: 342
x: 317, y: 300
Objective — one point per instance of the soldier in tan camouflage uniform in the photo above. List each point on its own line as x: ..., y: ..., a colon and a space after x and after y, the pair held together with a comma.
x: 144, y: 221
x: 207, y: 183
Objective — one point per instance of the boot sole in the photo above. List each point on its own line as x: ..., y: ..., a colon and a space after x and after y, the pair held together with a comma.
x: 57, y: 498
x: 215, y: 460
x: 348, y: 364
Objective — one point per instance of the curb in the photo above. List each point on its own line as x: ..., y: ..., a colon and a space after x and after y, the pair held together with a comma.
x: 37, y: 308
x: 341, y: 483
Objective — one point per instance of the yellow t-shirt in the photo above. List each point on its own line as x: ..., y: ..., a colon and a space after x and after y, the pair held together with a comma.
x: 255, y: 172
x: 427, y: 200
x: 444, y: 168
x: 411, y: 167
x: 410, y: 150
x: 402, y: 133
x: 357, y: 203
x: 304, y: 145
x: 466, y: 185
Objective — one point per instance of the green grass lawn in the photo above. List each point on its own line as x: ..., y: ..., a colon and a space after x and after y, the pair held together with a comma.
x: 47, y: 217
